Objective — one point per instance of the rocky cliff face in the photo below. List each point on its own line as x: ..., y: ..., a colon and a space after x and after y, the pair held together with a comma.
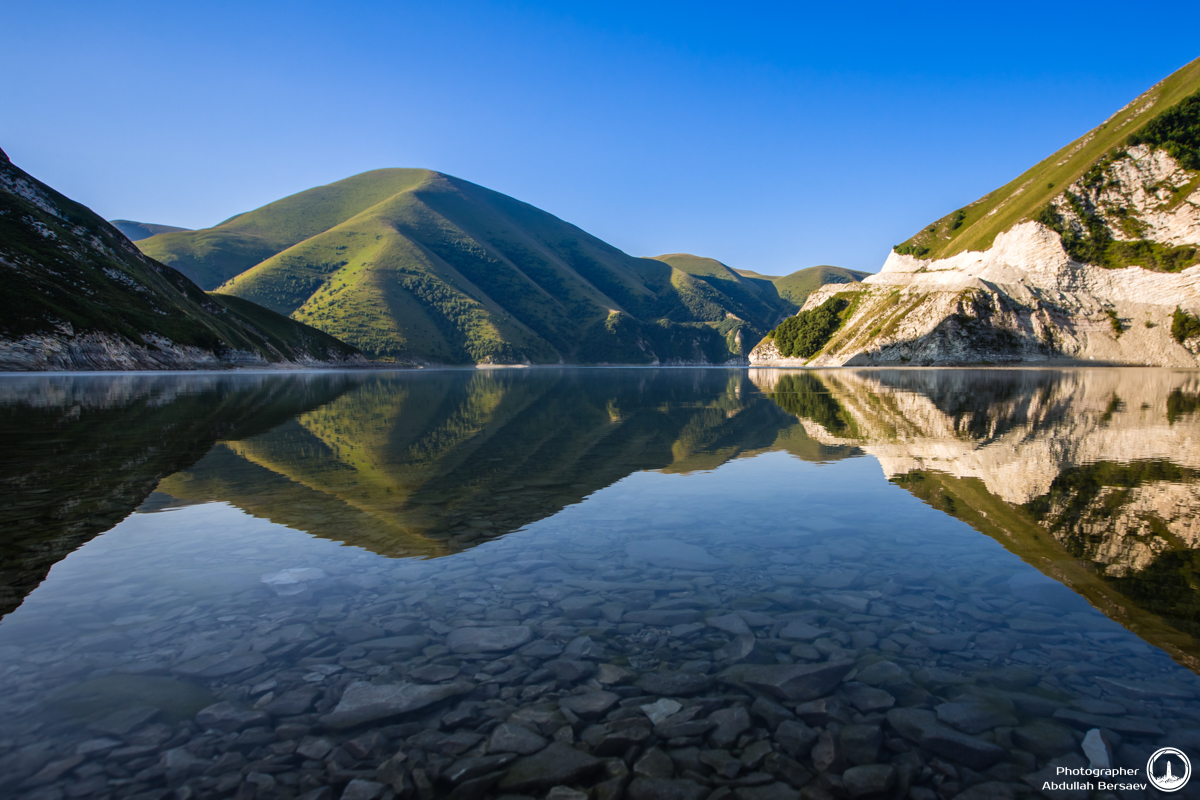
x: 1024, y: 299
x: 75, y: 294
x: 1087, y: 266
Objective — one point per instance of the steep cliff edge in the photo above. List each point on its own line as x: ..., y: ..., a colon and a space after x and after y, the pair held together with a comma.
x: 1091, y: 255
x: 76, y: 294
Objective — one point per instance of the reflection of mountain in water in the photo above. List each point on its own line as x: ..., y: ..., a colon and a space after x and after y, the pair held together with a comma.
x: 80, y: 453
x: 1091, y: 476
x: 440, y: 461
x: 1104, y: 461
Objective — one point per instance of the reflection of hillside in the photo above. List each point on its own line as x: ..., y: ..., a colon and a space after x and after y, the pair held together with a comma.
x: 80, y: 453
x: 1107, y: 462
x: 440, y: 461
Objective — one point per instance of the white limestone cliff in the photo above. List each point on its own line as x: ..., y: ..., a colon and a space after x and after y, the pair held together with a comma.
x: 1024, y: 299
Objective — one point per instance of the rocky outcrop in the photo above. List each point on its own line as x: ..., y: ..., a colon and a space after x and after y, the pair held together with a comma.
x: 1022, y: 300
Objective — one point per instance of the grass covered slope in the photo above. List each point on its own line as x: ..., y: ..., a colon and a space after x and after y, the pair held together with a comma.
x: 66, y: 274
x: 212, y: 256
x: 799, y: 285
x: 136, y: 231
x: 1166, y: 117
x: 794, y: 289
x: 416, y: 265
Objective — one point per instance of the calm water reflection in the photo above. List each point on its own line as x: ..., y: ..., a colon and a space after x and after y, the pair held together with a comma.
x: 644, y: 584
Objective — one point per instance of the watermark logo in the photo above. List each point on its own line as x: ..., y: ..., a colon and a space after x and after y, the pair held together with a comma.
x: 1168, y: 769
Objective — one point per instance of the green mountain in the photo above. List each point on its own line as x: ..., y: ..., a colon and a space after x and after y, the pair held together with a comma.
x: 1085, y: 191
x: 77, y: 294
x: 414, y: 265
x: 136, y: 231
x: 794, y: 289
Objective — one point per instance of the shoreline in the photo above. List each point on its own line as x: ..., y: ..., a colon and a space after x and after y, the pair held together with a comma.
x: 476, y: 367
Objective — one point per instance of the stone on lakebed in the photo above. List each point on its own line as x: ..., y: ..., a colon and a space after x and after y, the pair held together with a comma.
x: 488, y: 640
x: 368, y: 702
x: 790, y: 681
x: 672, y: 554
x: 556, y: 765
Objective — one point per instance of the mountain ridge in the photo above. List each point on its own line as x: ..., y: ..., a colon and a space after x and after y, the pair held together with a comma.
x: 418, y: 266
x: 975, y: 226
x: 77, y: 294
x: 136, y: 231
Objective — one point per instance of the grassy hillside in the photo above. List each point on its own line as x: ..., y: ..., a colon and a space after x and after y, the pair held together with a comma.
x: 214, y: 255
x: 136, y: 231
x: 412, y: 264
x: 795, y: 288
x: 799, y: 285
x: 69, y: 272
x: 975, y: 226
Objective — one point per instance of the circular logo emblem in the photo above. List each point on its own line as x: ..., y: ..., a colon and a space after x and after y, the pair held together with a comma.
x: 1168, y: 769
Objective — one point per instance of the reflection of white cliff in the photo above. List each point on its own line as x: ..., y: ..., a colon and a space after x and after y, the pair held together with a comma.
x: 1018, y: 445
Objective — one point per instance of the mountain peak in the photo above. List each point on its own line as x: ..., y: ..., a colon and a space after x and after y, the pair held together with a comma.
x: 414, y: 264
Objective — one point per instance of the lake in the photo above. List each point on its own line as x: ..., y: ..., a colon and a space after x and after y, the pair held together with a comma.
x: 572, y: 583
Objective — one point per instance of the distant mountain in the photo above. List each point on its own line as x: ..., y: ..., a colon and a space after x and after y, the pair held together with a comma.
x: 76, y: 294
x: 136, y: 231
x: 1092, y: 255
x: 799, y: 285
x: 414, y: 265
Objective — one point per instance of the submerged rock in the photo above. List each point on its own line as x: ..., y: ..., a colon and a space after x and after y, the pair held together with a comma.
x: 790, y: 681
x: 673, y: 554
x: 488, y: 640
x: 369, y: 702
x: 556, y: 765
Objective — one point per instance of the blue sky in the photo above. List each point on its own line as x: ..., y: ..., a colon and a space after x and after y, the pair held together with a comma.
x: 770, y: 136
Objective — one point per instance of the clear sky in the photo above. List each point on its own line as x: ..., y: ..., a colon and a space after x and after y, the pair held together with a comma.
x: 770, y: 136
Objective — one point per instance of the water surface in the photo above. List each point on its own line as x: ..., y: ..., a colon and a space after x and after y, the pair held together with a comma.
x: 641, y: 583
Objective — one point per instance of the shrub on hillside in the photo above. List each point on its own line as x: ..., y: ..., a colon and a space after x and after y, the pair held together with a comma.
x: 803, y: 335
x: 1184, y: 326
x: 1176, y: 130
